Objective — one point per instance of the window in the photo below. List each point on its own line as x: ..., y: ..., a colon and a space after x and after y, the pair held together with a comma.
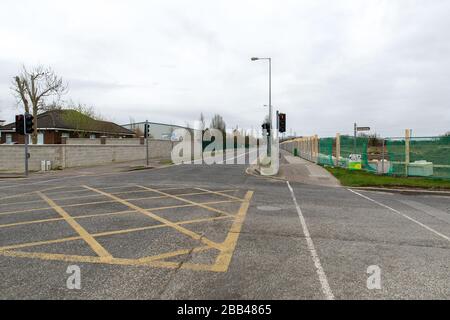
x: 92, y: 136
x: 8, y: 138
x: 65, y: 135
x: 40, y: 138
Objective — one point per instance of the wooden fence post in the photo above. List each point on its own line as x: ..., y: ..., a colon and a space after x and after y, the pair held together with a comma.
x: 407, y: 149
x: 338, y: 148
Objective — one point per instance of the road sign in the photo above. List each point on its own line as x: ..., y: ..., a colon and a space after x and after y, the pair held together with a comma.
x: 363, y: 129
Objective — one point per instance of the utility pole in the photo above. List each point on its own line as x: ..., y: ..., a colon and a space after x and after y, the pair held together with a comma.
x: 26, y: 142
x: 354, y: 137
x: 269, y: 137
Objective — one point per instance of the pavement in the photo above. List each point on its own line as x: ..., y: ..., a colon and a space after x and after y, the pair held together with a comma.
x: 300, y: 170
x: 214, y: 232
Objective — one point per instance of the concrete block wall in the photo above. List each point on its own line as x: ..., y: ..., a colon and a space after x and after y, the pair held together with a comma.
x: 12, y: 157
x: 132, y: 141
x: 68, y: 156
x: 83, y: 141
x: 96, y: 141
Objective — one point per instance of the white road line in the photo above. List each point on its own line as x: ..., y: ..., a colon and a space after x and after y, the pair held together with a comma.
x: 237, y: 157
x: 402, y: 214
x: 322, y: 276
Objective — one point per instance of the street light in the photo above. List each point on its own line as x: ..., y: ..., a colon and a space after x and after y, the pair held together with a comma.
x: 269, y: 148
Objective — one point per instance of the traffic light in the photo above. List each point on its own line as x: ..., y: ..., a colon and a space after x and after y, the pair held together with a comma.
x: 266, y: 126
x: 19, y: 124
x: 146, y: 130
x: 29, y: 121
x: 282, y: 122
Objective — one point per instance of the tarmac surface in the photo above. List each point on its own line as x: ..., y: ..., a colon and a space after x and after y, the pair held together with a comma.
x: 214, y: 232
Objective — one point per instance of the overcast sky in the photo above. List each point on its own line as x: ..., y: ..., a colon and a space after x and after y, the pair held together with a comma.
x: 384, y: 64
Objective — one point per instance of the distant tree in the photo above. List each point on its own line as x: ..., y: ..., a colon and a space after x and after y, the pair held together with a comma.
x: 33, y: 86
x: 135, y: 127
x: 218, y: 123
x: 54, y: 105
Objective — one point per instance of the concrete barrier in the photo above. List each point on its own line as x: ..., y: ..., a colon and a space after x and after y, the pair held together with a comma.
x: 70, y: 155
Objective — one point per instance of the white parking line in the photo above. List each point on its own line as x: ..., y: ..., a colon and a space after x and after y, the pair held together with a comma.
x: 320, y: 272
x: 402, y: 214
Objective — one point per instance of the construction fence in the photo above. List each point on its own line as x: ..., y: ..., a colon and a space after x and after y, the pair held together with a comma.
x: 396, y: 156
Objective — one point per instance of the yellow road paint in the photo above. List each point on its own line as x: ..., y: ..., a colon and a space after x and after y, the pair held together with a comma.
x: 113, y: 261
x: 112, y: 201
x: 59, y: 219
x: 38, y: 243
x: 29, y: 193
x: 225, y: 249
x: 78, y: 228
x: 185, y: 200
x: 22, y: 211
x: 172, y: 254
x: 179, y: 228
x: 20, y: 202
x: 111, y: 213
x: 194, y: 205
x: 224, y: 258
x: 106, y: 233
x: 220, y: 193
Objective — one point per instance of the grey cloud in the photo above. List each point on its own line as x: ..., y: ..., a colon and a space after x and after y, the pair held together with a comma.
x: 380, y: 63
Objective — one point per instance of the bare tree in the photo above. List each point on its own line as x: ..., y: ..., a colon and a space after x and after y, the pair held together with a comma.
x: 202, y: 122
x: 217, y: 122
x: 32, y: 87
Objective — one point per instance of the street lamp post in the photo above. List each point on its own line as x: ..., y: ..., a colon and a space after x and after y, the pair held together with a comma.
x: 269, y: 148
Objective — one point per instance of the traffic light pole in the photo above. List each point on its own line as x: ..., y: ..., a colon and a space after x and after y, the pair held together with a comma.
x: 269, y: 145
x: 146, y: 142
x: 26, y: 144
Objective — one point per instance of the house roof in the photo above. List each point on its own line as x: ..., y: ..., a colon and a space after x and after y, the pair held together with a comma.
x: 68, y: 119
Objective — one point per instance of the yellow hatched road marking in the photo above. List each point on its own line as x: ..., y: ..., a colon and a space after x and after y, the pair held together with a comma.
x: 224, y: 258
x: 113, y: 261
x: 108, y: 201
x: 220, y: 193
x: 110, y: 213
x: 225, y: 248
x: 22, y: 211
x: 188, y: 201
x: 106, y: 233
x: 29, y: 193
x: 179, y: 228
x: 59, y: 219
x: 78, y: 228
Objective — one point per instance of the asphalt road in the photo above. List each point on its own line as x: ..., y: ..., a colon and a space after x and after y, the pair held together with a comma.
x: 214, y: 232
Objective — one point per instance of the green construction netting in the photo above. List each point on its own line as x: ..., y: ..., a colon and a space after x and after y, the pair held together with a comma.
x: 325, y: 151
x: 429, y: 156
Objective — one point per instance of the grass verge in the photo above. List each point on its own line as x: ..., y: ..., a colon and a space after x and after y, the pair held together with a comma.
x: 166, y: 162
x: 354, y: 178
